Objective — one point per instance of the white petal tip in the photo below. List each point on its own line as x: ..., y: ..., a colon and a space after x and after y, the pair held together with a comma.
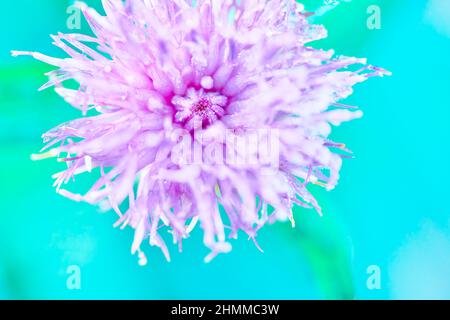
x: 207, y: 83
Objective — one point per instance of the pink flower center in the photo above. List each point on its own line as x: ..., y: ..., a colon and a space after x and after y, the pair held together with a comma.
x: 198, y: 108
x: 202, y: 107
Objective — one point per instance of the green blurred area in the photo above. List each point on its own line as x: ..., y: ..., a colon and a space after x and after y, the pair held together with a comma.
x: 397, y: 179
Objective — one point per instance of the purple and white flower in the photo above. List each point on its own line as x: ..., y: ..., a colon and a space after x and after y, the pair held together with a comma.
x: 156, y: 68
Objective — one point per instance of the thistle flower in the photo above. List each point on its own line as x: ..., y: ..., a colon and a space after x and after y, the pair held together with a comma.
x: 164, y: 81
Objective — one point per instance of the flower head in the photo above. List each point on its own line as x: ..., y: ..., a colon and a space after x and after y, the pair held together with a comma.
x: 212, y: 111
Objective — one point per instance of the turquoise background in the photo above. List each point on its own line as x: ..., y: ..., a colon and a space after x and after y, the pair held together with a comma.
x: 389, y: 210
